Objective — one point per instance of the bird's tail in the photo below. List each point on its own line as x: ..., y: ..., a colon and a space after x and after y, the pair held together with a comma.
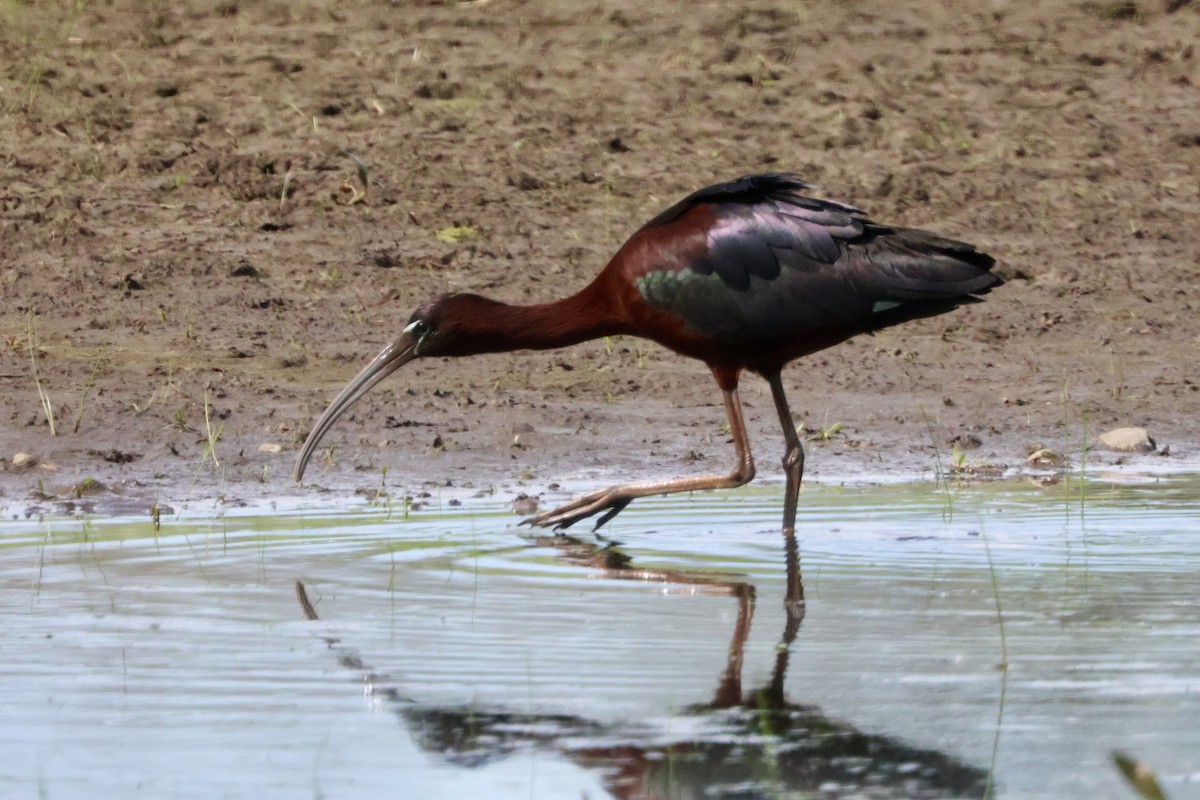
x: 912, y: 274
x: 906, y: 264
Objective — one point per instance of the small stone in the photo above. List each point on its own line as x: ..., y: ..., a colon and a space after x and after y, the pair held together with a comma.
x: 966, y: 441
x: 524, y: 504
x: 1044, y: 458
x: 268, y: 447
x: 527, y: 183
x: 1127, y: 440
x: 26, y: 461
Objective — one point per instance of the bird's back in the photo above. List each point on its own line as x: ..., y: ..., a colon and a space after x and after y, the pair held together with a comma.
x: 756, y: 262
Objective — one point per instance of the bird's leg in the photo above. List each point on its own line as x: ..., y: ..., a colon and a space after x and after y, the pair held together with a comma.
x: 793, y: 599
x: 612, y: 500
x: 793, y: 457
x: 793, y: 467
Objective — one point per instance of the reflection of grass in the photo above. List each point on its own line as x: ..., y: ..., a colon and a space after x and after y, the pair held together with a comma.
x: 1084, y: 445
x: 1066, y: 446
x: 1083, y: 453
x: 939, y: 475
x: 41, y: 563
x: 991, y: 779
x: 770, y: 743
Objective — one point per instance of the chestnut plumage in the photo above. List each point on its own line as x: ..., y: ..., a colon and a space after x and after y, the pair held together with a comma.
x: 744, y: 275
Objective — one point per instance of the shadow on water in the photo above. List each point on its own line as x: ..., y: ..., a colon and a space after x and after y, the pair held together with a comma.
x: 744, y: 743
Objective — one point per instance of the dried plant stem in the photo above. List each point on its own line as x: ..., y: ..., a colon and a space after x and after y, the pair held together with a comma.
x: 87, y: 387
x: 210, y: 449
x: 47, y: 406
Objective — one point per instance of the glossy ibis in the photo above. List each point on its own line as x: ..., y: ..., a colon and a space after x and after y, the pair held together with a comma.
x: 744, y: 275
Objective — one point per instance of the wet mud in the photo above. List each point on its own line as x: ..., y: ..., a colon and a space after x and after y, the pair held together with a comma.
x: 191, y: 268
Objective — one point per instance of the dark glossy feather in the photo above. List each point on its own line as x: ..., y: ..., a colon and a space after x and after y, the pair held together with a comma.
x: 779, y: 263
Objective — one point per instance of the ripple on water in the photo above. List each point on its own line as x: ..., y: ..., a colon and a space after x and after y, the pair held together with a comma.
x: 495, y: 660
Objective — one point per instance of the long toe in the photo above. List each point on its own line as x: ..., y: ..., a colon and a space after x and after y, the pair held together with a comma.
x: 553, y: 517
x: 614, y: 508
x: 568, y: 514
x: 557, y: 518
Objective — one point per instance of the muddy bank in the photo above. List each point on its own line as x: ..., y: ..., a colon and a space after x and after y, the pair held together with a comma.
x: 188, y: 260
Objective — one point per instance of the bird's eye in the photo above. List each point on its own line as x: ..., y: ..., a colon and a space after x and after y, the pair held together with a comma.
x: 418, y: 328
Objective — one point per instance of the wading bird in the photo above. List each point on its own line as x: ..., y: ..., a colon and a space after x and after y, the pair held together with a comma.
x: 744, y: 275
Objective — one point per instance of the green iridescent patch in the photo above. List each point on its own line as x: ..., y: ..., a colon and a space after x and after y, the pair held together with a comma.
x: 662, y: 288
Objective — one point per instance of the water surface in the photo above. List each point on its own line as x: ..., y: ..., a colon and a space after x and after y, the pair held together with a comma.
x: 1003, y: 633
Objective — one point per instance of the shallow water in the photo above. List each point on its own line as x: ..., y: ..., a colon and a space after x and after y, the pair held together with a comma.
x: 458, y: 655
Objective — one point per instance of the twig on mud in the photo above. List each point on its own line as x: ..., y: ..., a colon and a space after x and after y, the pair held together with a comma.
x: 292, y: 105
x: 287, y: 179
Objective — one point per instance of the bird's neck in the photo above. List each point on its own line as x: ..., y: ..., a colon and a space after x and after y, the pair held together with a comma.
x: 490, y: 326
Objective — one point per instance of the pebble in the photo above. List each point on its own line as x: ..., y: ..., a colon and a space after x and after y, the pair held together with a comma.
x: 1044, y: 458
x: 1127, y: 440
x: 524, y: 504
x: 24, y: 461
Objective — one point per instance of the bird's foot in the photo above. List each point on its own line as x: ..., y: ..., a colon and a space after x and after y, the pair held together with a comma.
x: 607, y: 502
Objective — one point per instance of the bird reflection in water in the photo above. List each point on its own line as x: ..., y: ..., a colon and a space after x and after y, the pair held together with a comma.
x: 749, y: 743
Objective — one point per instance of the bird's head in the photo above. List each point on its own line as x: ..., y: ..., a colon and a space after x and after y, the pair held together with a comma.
x: 430, y: 328
x: 433, y: 330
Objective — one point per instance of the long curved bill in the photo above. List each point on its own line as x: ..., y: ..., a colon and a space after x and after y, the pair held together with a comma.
x: 390, y: 359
